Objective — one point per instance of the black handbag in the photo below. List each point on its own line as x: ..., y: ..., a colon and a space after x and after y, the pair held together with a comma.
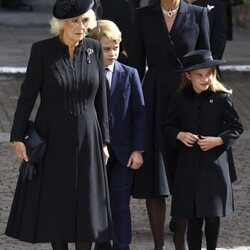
x: 35, y: 149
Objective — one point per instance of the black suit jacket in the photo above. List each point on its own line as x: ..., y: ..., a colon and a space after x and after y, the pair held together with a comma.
x: 119, y: 12
x: 218, y: 25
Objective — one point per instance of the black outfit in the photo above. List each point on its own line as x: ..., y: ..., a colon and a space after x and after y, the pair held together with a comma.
x: 162, y: 50
x: 194, y: 232
x: 202, y: 185
x: 217, y: 24
x: 119, y: 12
x: 229, y: 20
x: 15, y: 5
x: 98, y: 9
x: 68, y: 199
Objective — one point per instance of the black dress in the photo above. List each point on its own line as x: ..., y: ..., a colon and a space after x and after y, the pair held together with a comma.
x: 68, y: 199
x: 162, y: 50
x: 202, y: 186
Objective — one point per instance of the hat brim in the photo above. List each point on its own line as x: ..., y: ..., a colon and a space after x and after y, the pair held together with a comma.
x: 202, y: 65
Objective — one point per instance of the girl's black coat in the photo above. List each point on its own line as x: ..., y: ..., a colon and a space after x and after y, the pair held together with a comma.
x: 202, y: 181
x: 68, y: 199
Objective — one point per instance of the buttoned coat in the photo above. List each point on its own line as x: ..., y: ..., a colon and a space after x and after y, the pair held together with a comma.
x: 162, y: 50
x: 202, y: 186
x: 126, y: 110
x: 68, y: 199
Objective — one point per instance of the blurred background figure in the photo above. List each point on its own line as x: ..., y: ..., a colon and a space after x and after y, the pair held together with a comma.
x: 118, y: 11
x: 98, y: 9
x: 16, y: 5
x: 229, y: 5
x: 217, y: 15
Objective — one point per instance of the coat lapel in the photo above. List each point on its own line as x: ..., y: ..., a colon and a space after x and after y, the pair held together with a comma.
x: 161, y: 29
x: 181, y: 19
x: 117, y: 84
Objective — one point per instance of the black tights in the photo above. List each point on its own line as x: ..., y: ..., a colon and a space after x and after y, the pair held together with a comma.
x: 156, y: 212
x: 194, y: 232
x: 62, y: 245
x: 179, y: 236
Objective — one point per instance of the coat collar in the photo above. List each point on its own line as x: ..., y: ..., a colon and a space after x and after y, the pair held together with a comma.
x: 189, y: 91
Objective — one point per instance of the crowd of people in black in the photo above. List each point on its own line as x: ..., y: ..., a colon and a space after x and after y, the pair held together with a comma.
x: 125, y: 114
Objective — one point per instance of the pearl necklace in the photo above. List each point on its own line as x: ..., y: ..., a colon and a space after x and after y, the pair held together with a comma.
x: 169, y: 13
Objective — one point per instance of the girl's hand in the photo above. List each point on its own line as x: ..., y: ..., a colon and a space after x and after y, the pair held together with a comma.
x: 187, y: 138
x: 208, y: 142
x: 105, y: 153
x: 20, y: 150
x: 135, y: 160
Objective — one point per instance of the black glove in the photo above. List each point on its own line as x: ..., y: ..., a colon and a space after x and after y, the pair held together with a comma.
x: 27, y: 170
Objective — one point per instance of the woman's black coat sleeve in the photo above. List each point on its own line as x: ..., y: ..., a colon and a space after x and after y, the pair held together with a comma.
x: 29, y: 91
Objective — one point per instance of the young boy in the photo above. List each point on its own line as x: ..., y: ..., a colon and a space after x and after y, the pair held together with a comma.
x: 127, y: 131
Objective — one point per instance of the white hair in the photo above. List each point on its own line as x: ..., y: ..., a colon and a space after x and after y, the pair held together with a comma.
x: 56, y: 25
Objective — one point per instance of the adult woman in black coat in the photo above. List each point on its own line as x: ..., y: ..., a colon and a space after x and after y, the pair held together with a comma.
x: 164, y: 33
x: 67, y: 201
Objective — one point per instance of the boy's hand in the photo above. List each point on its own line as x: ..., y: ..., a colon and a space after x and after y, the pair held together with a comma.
x: 187, y: 138
x: 209, y: 142
x: 105, y: 153
x: 135, y: 160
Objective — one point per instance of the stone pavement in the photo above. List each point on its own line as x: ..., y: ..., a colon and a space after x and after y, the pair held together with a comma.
x: 15, y: 43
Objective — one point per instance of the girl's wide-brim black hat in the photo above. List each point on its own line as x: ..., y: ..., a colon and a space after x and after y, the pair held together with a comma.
x: 64, y: 9
x: 198, y: 59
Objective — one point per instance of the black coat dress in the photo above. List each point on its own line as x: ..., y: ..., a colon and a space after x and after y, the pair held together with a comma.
x: 162, y: 50
x: 68, y: 199
x: 202, y: 186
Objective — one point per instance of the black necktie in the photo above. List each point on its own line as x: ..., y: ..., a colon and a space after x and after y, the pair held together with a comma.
x: 107, y: 81
x: 107, y: 86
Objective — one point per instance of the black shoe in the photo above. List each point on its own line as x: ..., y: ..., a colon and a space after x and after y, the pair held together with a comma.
x: 19, y: 6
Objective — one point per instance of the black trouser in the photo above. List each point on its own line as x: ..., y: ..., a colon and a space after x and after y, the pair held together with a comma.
x: 194, y: 232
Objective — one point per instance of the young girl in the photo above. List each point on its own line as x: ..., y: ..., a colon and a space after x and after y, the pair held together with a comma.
x: 202, y: 124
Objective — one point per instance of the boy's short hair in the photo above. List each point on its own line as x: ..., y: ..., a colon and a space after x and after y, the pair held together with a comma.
x: 106, y: 28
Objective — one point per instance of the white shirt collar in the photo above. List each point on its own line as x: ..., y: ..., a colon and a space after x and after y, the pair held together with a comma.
x: 111, y: 67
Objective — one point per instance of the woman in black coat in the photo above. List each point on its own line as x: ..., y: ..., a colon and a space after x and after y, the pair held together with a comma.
x: 67, y: 201
x: 201, y: 125
x: 161, y: 38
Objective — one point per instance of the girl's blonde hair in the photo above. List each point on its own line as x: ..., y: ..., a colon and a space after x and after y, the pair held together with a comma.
x: 56, y: 25
x: 215, y: 86
x: 106, y: 28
